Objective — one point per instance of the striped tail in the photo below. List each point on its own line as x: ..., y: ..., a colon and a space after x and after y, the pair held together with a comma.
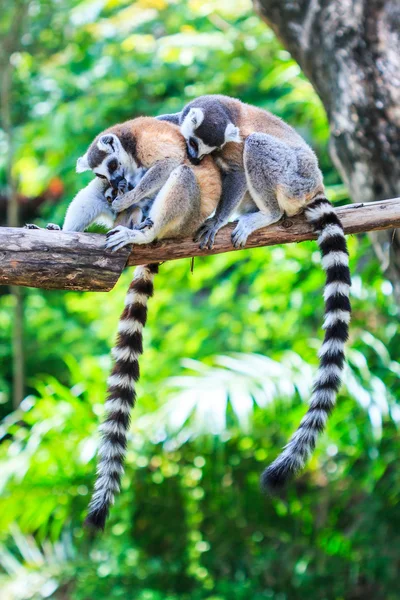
x: 121, y: 395
x: 335, y: 262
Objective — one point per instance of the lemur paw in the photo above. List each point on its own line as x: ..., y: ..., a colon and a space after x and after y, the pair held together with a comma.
x: 122, y: 201
x: 147, y: 223
x: 32, y: 226
x: 53, y: 227
x: 240, y: 235
x: 207, y: 232
x: 121, y: 236
x: 110, y: 194
x: 123, y: 187
x: 49, y: 227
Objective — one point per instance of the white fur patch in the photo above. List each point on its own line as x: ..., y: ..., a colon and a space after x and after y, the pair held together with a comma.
x: 325, y: 373
x: 109, y: 143
x: 143, y: 273
x: 136, y: 298
x: 124, y: 354
x: 326, y: 397
x: 113, y: 427
x: 334, y: 316
x: 335, y: 288
x: 330, y: 231
x: 105, y: 481
x: 332, y: 346
x: 204, y: 148
x: 111, y: 466
x: 196, y: 115
x: 335, y: 258
x: 193, y: 119
x: 232, y: 133
x: 117, y: 405
x: 82, y: 164
x: 111, y: 450
x: 129, y: 326
x: 315, y: 213
x: 124, y: 381
x: 309, y: 419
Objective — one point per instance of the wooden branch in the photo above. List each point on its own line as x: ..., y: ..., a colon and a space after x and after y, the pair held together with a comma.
x: 356, y: 218
x: 79, y: 261
x: 58, y: 260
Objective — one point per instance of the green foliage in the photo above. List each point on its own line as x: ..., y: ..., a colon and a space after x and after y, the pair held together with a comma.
x: 190, y: 522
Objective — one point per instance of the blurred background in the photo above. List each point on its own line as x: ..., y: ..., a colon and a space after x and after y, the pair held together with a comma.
x: 229, y: 350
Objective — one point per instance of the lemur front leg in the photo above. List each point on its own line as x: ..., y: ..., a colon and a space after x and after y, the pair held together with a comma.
x: 151, y: 182
x: 88, y: 206
x: 234, y: 187
x: 174, y: 212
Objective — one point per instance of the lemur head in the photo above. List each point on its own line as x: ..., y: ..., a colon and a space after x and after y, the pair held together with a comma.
x: 207, y: 128
x: 109, y: 159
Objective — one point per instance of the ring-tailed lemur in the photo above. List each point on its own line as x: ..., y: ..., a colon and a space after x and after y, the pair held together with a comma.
x: 181, y: 196
x: 260, y: 154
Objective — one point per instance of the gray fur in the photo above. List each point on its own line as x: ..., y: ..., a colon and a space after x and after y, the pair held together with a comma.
x: 174, y: 118
x: 270, y: 162
x: 276, y: 165
x: 234, y: 188
x: 218, y: 116
x: 176, y: 205
x: 88, y: 206
x: 151, y: 183
x: 270, y: 165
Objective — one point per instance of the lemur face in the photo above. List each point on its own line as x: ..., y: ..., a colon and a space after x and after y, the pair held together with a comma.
x: 203, y: 135
x: 108, y: 160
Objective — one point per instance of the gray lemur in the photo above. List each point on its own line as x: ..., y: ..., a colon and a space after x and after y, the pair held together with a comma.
x: 261, y: 155
x: 181, y: 197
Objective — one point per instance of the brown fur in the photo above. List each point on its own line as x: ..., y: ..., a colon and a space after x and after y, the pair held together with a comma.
x: 155, y: 140
x: 251, y: 119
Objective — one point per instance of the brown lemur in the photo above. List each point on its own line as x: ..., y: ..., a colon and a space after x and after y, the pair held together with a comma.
x: 150, y: 154
x: 262, y: 156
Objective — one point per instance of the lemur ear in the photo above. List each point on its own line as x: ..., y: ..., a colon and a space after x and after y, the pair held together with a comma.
x: 82, y: 164
x: 108, y: 143
x: 232, y: 133
x: 196, y: 116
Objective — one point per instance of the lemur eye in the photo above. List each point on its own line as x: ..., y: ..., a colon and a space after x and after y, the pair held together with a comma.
x: 101, y: 176
x: 112, y: 165
x: 193, y: 144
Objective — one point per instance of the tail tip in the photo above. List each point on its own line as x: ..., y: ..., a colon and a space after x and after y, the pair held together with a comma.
x: 274, y: 479
x: 96, y: 520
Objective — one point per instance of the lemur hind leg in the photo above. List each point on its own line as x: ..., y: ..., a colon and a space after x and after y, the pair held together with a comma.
x: 281, y: 179
x: 234, y: 187
x: 175, y: 212
x: 253, y: 221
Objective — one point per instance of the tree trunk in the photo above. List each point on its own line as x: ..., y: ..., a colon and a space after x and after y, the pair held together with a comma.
x: 350, y: 51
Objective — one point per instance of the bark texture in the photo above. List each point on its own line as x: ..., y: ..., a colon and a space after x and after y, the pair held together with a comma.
x: 350, y: 51
x: 58, y: 260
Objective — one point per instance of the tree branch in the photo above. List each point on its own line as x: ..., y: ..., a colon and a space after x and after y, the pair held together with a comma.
x: 356, y: 218
x: 79, y: 261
